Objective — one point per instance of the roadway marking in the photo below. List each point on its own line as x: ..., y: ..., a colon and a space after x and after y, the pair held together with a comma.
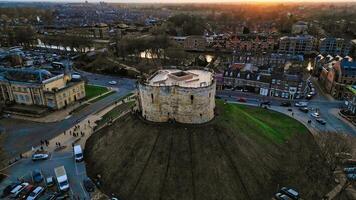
x: 61, y: 158
x: 84, y: 192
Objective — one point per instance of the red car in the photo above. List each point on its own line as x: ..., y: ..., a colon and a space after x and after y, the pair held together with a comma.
x: 28, y: 189
x: 242, y: 100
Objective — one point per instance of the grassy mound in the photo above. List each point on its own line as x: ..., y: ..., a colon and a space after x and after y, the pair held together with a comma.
x: 244, y: 153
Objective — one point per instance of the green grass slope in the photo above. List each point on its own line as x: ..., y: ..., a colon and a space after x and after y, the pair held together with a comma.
x: 244, y: 153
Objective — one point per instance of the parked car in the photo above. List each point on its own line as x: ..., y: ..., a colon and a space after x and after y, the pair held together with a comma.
x: 321, y: 121
x: 292, y: 193
x: 39, y: 156
x: 268, y: 103
x: 350, y: 170
x: 50, y: 181
x: 37, y: 176
x: 301, y: 104
x: 7, y: 190
x: 112, y: 82
x: 88, y: 185
x: 315, y: 114
x: 50, y: 196
x: 16, y: 190
x: 35, y: 193
x: 24, y: 193
x: 351, y: 177
x: 280, y: 196
x: 309, y: 96
x: 243, y: 100
x: 286, y: 104
x: 304, y: 109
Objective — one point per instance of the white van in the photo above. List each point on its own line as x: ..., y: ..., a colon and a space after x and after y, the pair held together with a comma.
x: 78, y: 153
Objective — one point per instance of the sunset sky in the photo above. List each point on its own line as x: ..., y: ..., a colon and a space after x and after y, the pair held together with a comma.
x: 186, y: 1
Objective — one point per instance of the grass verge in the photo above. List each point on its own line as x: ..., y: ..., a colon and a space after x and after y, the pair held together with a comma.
x: 115, y: 112
x: 94, y: 90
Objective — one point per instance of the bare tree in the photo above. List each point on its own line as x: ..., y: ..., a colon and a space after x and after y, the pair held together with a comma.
x: 334, y: 146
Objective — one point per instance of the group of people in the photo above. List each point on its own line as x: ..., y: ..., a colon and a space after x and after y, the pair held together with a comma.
x: 44, y: 142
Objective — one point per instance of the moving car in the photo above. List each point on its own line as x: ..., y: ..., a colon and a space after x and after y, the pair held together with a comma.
x: 243, y: 100
x: 112, y: 82
x: 16, y: 190
x: 88, y: 185
x: 35, y: 193
x: 321, y: 121
x: 39, y: 156
x: 304, y: 109
x: 286, y: 104
x: 293, y: 194
x: 280, y: 196
x: 78, y: 153
x: 315, y: 114
x: 301, y: 104
x: 37, y: 176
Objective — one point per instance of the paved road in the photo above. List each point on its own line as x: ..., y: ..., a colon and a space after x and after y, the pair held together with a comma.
x: 76, y: 172
x: 18, y: 131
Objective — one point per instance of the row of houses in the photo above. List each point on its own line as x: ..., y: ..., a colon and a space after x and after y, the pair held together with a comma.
x: 282, y: 80
x: 300, y: 44
x: 336, y: 74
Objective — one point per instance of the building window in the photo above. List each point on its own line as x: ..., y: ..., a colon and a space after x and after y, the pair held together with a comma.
x: 191, y: 98
x: 152, y: 97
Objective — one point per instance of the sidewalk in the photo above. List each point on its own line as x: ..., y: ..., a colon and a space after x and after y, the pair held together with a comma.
x: 82, y: 130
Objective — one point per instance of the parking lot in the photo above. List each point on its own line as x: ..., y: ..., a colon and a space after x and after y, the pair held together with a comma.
x: 75, y: 171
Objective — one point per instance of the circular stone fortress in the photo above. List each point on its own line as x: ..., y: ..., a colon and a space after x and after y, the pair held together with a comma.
x: 179, y: 96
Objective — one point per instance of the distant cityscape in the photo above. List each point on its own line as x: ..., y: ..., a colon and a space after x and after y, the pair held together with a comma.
x: 112, y: 100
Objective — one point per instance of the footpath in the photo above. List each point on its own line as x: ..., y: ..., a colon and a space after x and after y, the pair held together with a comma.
x: 79, y: 133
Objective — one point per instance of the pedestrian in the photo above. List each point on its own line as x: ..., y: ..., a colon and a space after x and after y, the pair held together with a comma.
x: 41, y: 148
x: 64, y: 132
x: 70, y: 132
x: 59, y: 144
x: 41, y: 142
x: 88, y: 121
x: 292, y: 113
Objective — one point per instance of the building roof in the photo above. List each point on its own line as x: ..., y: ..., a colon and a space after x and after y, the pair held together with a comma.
x: 189, y: 78
x: 25, y: 75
